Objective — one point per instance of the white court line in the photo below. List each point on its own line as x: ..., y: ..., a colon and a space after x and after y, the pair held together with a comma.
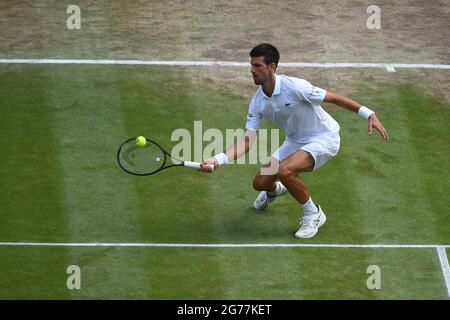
x: 444, y: 265
x: 219, y: 245
x: 388, y: 66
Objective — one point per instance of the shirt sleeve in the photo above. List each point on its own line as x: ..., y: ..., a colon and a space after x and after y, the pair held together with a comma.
x: 254, y: 117
x: 307, y: 92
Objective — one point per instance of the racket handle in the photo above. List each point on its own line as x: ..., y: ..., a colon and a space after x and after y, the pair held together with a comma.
x: 195, y: 165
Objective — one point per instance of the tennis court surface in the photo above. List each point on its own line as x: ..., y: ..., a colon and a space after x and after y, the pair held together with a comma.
x: 149, y: 68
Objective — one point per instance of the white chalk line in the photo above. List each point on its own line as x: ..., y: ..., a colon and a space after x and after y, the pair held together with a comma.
x: 391, y: 67
x: 445, y: 266
x: 220, y: 245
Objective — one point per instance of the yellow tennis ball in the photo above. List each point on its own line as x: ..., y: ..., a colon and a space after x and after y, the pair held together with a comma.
x: 141, y: 141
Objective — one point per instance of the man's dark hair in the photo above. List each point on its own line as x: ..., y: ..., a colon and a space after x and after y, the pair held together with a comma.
x: 268, y: 51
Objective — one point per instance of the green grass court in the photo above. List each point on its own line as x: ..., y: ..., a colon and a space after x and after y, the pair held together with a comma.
x: 60, y: 129
x: 61, y: 125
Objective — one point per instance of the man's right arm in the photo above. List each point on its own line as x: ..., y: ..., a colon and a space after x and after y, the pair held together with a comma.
x: 242, y: 146
x: 235, y: 151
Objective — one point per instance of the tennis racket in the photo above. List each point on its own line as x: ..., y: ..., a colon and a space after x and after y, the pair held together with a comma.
x: 148, y: 159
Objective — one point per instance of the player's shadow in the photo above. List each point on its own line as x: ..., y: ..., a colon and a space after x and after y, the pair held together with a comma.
x: 264, y: 226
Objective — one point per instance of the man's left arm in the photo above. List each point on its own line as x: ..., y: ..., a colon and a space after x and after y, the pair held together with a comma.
x: 349, y: 104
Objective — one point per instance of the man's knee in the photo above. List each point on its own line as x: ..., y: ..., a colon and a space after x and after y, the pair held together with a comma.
x: 262, y: 183
x: 284, y: 173
x: 258, y: 184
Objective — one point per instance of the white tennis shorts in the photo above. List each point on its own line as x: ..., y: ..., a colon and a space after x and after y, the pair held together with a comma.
x: 321, y: 149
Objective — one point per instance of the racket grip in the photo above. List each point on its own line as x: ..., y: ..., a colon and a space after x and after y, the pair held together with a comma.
x: 195, y: 165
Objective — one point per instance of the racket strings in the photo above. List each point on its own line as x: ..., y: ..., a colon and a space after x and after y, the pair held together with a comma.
x: 141, y: 160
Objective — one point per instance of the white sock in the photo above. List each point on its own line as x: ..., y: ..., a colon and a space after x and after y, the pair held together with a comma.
x: 276, y: 192
x: 309, y: 206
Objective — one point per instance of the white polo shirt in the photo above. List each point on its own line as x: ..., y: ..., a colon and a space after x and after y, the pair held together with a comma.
x: 295, y: 108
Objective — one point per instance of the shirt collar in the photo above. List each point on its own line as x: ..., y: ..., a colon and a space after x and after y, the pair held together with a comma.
x: 276, y: 89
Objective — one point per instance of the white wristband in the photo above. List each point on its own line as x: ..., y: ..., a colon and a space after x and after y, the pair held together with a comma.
x: 221, y: 158
x: 365, y: 113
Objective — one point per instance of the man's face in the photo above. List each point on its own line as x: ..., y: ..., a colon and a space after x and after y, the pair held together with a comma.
x: 260, y: 70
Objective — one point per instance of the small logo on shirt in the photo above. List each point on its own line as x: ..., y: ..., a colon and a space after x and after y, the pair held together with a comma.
x: 287, y: 104
x: 250, y: 115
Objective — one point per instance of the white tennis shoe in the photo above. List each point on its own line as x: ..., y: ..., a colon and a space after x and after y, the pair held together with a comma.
x: 263, y: 200
x: 310, y: 223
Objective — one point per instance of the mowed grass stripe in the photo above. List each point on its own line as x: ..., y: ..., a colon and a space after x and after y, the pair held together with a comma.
x: 173, y: 205
x: 389, y: 175
x: 427, y: 120
x: 89, y: 122
x: 30, y: 177
x: 389, y: 212
x: 89, y: 126
x: 372, y: 167
x: 31, y: 192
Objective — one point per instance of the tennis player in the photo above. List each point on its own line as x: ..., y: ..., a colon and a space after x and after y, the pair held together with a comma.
x: 312, y: 135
